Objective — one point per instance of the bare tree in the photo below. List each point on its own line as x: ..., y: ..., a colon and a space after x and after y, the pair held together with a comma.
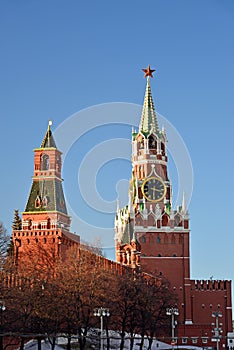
x: 51, y: 297
x: 4, y: 241
x: 140, y: 307
x: 124, y: 302
x: 154, y: 297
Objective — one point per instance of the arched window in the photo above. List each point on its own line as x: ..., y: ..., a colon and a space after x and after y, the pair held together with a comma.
x: 152, y: 142
x: 163, y: 149
x: 158, y: 239
x: 37, y: 203
x: 44, y: 202
x: 140, y: 140
x: 143, y: 240
x: 178, y: 220
x: 48, y: 223
x: 45, y: 162
x: 165, y: 219
x: 29, y: 224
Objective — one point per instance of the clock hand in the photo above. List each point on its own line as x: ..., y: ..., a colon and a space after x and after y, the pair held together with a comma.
x: 155, y: 189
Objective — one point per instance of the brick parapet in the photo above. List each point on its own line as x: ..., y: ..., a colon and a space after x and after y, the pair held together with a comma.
x: 210, y: 284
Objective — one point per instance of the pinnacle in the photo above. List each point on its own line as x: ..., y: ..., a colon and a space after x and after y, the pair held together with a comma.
x: 48, y: 141
x: 149, y: 122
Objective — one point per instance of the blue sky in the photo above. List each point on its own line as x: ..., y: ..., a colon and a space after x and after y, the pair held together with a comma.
x: 60, y: 57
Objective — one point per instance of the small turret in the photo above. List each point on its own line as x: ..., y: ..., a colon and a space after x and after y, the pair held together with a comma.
x: 46, y: 196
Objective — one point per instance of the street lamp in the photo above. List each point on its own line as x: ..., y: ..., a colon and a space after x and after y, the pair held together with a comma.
x: 172, y: 311
x: 217, y: 331
x: 2, y: 308
x: 101, y: 312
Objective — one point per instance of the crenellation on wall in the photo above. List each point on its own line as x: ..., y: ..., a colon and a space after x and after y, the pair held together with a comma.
x: 210, y: 285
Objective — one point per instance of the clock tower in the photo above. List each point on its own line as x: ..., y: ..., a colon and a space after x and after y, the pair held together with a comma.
x: 158, y: 236
x: 153, y: 237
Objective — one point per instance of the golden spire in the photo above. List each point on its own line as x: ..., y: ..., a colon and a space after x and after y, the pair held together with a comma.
x: 49, y: 124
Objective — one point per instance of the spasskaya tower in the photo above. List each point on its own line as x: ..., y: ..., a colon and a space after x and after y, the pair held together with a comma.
x: 154, y: 237
x: 160, y: 234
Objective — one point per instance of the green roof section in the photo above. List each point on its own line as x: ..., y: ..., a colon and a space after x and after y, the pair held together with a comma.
x: 149, y: 122
x: 128, y: 233
x: 46, y: 195
x: 48, y: 141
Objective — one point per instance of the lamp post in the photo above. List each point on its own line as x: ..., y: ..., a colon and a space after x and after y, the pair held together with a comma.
x: 217, y: 331
x: 101, y: 312
x: 172, y: 311
x: 2, y: 308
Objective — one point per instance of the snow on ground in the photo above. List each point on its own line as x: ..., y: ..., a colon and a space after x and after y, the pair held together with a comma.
x: 45, y: 345
x: 93, y: 340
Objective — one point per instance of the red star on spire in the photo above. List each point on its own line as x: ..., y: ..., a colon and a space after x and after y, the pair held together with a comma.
x: 148, y: 72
